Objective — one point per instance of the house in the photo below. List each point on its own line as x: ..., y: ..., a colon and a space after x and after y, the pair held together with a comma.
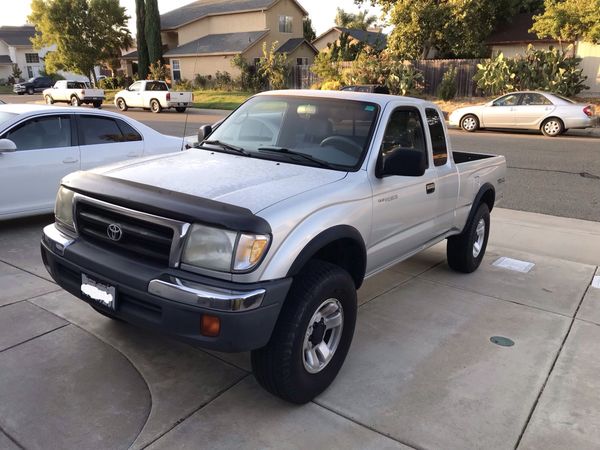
x: 16, y: 48
x: 204, y: 36
x: 513, y: 38
x: 371, y: 38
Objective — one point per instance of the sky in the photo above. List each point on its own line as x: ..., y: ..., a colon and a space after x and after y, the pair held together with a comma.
x: 321, y: 12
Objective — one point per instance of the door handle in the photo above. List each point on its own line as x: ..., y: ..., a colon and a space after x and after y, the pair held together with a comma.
x: 430, y: 188
x: 70, y: 160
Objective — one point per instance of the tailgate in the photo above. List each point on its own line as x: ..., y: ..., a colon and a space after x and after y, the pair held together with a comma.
x: 181, y: 96
x: 93, y: 93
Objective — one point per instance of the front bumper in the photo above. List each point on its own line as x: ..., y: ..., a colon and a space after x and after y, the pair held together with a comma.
x: 168, y: 300
x: 18, y: 89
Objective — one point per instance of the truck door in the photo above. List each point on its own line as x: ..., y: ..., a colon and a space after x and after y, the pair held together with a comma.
x: 135, y: 95
x: 404, y: 207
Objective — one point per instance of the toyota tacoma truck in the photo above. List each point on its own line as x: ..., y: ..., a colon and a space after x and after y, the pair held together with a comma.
x: 152, y: 95
x: 74, y: 92
x: 259, y: 238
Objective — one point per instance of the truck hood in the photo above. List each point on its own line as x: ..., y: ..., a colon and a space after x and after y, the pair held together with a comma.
x: 250, y: 183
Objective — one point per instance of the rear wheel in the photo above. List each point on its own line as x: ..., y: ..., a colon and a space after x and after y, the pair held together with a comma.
x: 97, y: 104
x: 553, y: 127
x: 180, y: 109
x: 75, y: 101
x: 30, y: 91
x: 312, y: 336
x: 49, y: 100
x: 121, y: 104
x: 466, y: 250
x: 469, y: 123
x: 155, y: 106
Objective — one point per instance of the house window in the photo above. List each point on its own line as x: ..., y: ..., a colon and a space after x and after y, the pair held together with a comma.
x: 30, y: 72
x: 32, y: 58
x: 302, y: 61
x: 285, y: 24
x: 176, y: 70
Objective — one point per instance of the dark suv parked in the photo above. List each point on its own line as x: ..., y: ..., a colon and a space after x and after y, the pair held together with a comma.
x: 33, y: 85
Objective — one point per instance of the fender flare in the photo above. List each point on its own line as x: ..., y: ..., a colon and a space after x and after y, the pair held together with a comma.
x: 327, y: 237
x: 483, y: 190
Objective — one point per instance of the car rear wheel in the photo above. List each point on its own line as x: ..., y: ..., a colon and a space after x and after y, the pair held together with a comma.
x: 97, y: 105
x: 75, y: 101
x: 466, y: 250
x: 180, y: 109
x: 469, y: 123
x: 121, y: 104
x: 553, y: 127
x: 49, y: 100
x: 312, y: 336
x: 155, y: 106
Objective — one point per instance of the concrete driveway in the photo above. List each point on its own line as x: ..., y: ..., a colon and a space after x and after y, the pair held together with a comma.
x: 422, y: 372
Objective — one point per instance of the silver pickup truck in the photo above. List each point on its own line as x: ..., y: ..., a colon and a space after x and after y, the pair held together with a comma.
x: 259, y: 238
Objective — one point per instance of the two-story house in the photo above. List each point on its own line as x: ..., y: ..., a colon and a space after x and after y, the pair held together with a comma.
x: 204, y: 36
x: 16, y: 48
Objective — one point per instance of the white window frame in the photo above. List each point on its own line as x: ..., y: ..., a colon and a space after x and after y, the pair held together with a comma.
x: 174, y: 69
x: 286, y: 24
x: 32, y: 58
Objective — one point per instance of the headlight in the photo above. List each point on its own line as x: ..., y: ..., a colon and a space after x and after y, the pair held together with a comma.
x: 63, y: 209
x: 223, y: 250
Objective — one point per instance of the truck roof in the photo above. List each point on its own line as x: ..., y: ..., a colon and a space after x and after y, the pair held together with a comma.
x: 381, y: 99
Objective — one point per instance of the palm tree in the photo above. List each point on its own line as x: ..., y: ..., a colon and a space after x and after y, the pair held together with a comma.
x: 357, y: 21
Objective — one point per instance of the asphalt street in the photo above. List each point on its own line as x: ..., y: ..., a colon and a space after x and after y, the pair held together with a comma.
x: 555, y: 176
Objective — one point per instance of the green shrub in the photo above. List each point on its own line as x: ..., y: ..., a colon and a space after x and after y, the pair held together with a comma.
x: 184, y: 85
x: 331, y: 86
x: 447, y: 88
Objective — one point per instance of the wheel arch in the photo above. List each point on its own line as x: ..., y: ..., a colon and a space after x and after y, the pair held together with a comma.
x: 487, y: 195
x: 341, y: 245
x: 546, y: 119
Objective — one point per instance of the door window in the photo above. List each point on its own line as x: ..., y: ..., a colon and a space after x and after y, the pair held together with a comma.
x: 137, y: 86
x: 404, y: 132
x: 42, y: 132
x: 508, y: 100
x: 438, y: 137
x: 532, y: 99
x: 103, y: 130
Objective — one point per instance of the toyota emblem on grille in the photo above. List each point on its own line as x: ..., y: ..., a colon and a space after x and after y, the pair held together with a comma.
x: 114, y: 232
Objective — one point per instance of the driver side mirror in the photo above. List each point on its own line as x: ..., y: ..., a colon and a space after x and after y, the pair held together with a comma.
x: 7, y: 146
x: 402, y: 162
x: 203, y: 132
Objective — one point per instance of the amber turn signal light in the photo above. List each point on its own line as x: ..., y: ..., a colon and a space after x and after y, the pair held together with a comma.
x: 210, y: 326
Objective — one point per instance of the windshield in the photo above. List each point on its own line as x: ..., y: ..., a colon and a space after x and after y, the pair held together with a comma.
x: 322, y: 132
x: 31, y: 80
x: 6, y: 116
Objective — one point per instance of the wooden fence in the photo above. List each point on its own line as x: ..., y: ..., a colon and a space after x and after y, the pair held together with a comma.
x: 302, y: 77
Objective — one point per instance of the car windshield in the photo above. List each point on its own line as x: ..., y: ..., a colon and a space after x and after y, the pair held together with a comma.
x: 31, y: 80
x: 6, y: 116
x: 321, y: 132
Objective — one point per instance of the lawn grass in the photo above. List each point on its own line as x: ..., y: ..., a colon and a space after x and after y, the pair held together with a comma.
x: 219, y: 99
x: 8, y: 89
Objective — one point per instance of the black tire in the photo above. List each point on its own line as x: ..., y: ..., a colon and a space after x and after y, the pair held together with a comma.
x: 155, y: 106
x: 180, y: 109
x: 461, y: 250
x: 49, y: 100
x: 280, y: 366
x: 75, y: 101
x: 121, y: 104
x: 30, y: 91
x: 552, y: 127
x: 97, y: 105
x: 469, y: 123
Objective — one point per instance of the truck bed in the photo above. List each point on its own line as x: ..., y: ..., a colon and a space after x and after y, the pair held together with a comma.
x: 463, y: 157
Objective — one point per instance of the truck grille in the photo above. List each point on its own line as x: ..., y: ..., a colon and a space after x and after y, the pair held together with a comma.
x: 135, y: 236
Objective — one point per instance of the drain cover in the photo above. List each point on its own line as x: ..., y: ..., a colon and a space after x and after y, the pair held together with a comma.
x: 502, y: 341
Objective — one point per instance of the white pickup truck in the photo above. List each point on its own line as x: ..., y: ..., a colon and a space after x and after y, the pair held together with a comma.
x: 259, y: 238
x: 152, y: 95
x: 74, y: 92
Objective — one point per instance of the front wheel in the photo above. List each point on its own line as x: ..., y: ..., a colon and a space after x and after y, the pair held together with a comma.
x: 466, y: 250
x: 30, y: 91
x: 180, y: 109
x: 155, y: 106
x: 49, y: 100
x: 121, y: 104
x: 312, y: 336
x: 553, y: 127
x: 75, y: 101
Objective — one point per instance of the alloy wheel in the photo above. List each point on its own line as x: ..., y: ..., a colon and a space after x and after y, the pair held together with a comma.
x: 323, y: 335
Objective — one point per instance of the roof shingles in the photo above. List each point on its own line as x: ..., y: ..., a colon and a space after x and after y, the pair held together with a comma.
x: 218, y: 44
x: 17, y: 35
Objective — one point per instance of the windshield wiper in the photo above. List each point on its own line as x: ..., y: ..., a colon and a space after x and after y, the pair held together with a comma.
x: 287, y: 151
x: 226, y: 146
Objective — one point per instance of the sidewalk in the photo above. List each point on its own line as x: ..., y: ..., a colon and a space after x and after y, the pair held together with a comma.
x: 421, y: 373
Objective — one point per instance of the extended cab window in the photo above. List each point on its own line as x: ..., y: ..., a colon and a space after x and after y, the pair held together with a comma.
x: 438, y: 137
x: 42, y: 132
x: 103, y: 130
x: 404, y: 132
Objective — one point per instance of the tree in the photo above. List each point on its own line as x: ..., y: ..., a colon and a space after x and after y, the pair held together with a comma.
x: 142, y: 45
x: 152, y: 31
x: 85, y: 32
x: 357, y: 21
x: 569, y: 20
x: 309, y: 31
x: 273, y: 66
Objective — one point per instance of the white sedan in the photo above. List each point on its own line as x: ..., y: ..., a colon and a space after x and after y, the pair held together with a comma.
x: 552, y: 114
x: 39, y: 145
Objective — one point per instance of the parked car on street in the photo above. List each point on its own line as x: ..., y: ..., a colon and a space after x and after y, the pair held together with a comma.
x: 40, y: 144
x: 74, y: 92
x: 152, y: 95
x: 552, y: 114
x: 33, y: 85
x: 372, y: 88
x: 259, y: 238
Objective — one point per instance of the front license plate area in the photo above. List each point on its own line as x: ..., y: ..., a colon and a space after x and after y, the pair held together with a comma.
x: 102, y: 293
